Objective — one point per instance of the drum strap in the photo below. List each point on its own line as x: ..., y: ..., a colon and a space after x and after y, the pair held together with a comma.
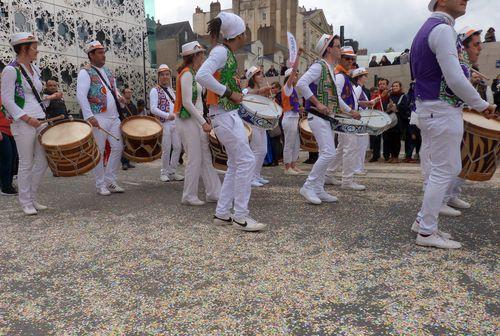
x: 35, y: 92
x: 332, y: 121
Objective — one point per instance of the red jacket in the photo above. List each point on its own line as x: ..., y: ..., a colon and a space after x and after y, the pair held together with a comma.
x: 4, y: 123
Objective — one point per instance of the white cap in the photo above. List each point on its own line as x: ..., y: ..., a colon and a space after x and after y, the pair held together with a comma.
x: 359, y: 72
x: 323, y: 43
x: 347, y: 51
x: 94, y: 45
x: 191, y: 48
x: 20, y: 38
x: 432, y: 4
x: 232, y: 25
x: 251, y: 72
x: 467, y: 32
x: 163, y: 67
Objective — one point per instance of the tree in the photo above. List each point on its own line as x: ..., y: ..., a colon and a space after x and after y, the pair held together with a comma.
x: 391, y: 49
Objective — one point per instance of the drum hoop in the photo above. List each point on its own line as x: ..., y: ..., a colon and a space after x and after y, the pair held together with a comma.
x: 70, y: 145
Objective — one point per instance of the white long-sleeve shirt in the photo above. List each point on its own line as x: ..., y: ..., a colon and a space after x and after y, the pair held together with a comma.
x: 153, y: 103
x: 313, y: 75
x: 196, y: 111
x: 442, y: 41
x: 82, y: 90
x: 32, y: 107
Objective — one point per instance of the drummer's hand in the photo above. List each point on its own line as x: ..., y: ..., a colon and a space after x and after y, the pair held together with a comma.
x: 489, y: 113
x: 206, y: 127
x: 31, y: 121
x: 355, y: 115
x: 266, y: 91
x: 93, y: 121
x: 323, y: 109
x: 236, y: 97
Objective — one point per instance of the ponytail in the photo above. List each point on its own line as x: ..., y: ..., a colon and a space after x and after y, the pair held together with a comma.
x: 214, y: 27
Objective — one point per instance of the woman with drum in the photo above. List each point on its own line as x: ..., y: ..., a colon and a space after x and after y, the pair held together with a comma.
x: 258, y: 142
x: 193, y: 129
x: 359, y: 78
x: 21, y: 96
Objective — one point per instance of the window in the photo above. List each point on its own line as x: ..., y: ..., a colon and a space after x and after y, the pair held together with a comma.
x: 264, y: 15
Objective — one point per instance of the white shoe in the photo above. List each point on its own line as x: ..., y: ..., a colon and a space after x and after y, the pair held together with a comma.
x: 39, y: 206
x: 262, y: 180
x: 457, y: 203
x: 361, y: 173
x: 291, y: 172
x: 256, y: 184
x: 115, y: 188
x: 310, y: 196
x: 449, y: 211
x: 326, y: 197
x: 330, y: 180
x: 436, y: 240
x: 211, y: 200
x: 176, y: 177
x: 222, y: 220
x: 103, y: 191
x: 164, y: 178
x: 196, y: 202
x: 416, y: 227
x: 353, y: 186
x: 248, y: 224
x: 30, y: 210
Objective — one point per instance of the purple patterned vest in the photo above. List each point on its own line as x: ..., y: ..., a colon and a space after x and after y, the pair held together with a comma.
x: 347, y: 93
x: 163, y: 102
x: 294, y: 101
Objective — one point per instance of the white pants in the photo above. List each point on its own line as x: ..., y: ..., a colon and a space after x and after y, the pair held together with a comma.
x: 441, y: 127
x: 454, y: 189
x: 107, y: 175
x: 199, y: 161
x: 258, y: 144
x: 363, y: 144
x: 32, y: 160
x: 170, y: 141
x: 292, y: 139
x: 324, y: 135
x: 236, y: 187
x: 347, y: 156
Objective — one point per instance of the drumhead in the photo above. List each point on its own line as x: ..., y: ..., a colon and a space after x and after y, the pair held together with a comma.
x: 141, y: 127
x: 480, y: 121
x: 375, y: 119
x: 304, y: 124
x: 65, y: 133
x: 262, y: 106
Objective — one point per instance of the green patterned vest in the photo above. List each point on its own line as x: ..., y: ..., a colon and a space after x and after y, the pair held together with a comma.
x: 184, y: 114
x: 326, y: 91
x: 229, y: 78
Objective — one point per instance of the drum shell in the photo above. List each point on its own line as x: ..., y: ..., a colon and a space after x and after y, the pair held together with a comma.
x: 263, y: 121
x: 142, y: 148
x: 219, y: 155
x: 307, y: 140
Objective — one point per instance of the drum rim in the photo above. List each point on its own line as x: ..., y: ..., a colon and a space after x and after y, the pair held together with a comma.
x: 68, y: 145
x: 478, y: 130
x: 148, y: 137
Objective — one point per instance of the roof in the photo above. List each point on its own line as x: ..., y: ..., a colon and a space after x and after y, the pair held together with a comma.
x: 310, y: 12
x: 172, y: 29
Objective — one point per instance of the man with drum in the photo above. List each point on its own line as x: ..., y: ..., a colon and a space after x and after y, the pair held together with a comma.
x: 98, y: 97
x: 318, y: 87
x: 434, y: 55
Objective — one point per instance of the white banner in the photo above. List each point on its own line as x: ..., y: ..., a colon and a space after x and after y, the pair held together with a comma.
x: 292, y: 47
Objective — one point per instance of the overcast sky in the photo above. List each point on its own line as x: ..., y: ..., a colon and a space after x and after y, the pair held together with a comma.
x: 377, y: 25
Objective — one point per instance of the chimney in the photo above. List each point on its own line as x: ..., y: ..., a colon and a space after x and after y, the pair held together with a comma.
x: 198, y: 10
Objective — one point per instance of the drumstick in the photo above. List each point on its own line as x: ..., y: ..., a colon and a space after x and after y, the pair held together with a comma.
x: 253, y: 101
x: 111, y: 135
x: 52, y: 119
x: 480, y: 74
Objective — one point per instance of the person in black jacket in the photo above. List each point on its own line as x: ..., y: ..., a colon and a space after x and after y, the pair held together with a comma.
x: 56, y: 106
x: 398, y: 104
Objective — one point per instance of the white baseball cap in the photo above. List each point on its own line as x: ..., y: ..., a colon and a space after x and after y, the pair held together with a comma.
x: 323, y: 43
x: 191, y: 48
x: 20, y: 38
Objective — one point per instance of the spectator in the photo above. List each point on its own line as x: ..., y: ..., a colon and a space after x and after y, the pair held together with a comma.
x: 272, y: 72
x: 384, y: 61
x: 373, y: 62
x: 414, y: 139
x: 376, y: 140
x: 284, y: 68
x: 130, y: 110
x: 57, y: 106
x: 495, y: 88
x: 490, y: 35
x: 396, y: 60
x: 405, y: 56
x: 400, y: 106
x: 479, y: 84
x: 8, y: 153
x: 141, y: 108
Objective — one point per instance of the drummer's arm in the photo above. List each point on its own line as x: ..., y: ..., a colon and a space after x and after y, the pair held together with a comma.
x: 312, y: 75
x: 82, y: 91
x: 153, y: 104
x: 205, y: 75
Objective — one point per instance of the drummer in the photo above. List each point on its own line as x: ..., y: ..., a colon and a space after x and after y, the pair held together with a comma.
x: 258, y: 141
x: 219, y: 75
x: 318, y: 87
x: 162, y: 100
x: 98, y: 97
x: 434, y: 56
x: 21, y: 92
x: 194, y: 129
x: 347, y: 148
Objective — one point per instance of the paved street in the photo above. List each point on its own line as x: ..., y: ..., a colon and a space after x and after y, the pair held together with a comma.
x: 140, y: 263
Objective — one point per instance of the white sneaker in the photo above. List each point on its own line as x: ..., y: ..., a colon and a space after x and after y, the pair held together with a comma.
x: 256, y: 184
x: 326, y: 197
x: 330, y: 180
x: 164, y: 178
x: 29, y: 210
x: 115, y: 188
x: 416, y: 227
x: 103, y: 191
x: 262, y: 180
x: 248, y: 224
x: 458, y: 203
x: 196, y: 202
x: 222, y: 220
x: 361, y: 173
x: 39, y: 206
x: 176, y: 177
x: 291, y: 172
x: 310, y: 196
x: 449, y: 211
x: 353, y: 186
x: 436, y: 240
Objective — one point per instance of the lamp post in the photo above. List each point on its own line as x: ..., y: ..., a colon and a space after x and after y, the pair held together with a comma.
x: 144, y: 36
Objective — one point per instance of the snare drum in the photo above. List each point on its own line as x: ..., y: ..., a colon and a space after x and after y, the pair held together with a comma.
x: 480, y: 147
x: 141, y: 138
x: 70, y: 147
x: 219, y: 155
x: 260, y: 111
x: 307, y: 140
x: 372, y: 122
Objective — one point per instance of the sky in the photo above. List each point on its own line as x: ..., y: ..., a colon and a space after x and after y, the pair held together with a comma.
x: 377, y: 25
